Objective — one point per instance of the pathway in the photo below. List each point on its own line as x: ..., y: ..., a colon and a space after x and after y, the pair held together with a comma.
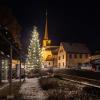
x: 31, y: 90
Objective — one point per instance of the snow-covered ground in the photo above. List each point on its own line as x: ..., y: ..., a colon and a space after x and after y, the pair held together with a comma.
x: 2, y: 87
x: 31, y: 90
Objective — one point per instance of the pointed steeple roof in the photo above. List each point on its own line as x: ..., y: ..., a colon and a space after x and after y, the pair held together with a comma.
x: 46, y: 29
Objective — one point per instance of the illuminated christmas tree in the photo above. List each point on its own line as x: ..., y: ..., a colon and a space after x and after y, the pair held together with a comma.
x: 34, y: 52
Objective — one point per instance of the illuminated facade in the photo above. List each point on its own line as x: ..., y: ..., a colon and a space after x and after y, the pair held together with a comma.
x: 72, y: 54
x: 63, y: 56
x: 47, y: 49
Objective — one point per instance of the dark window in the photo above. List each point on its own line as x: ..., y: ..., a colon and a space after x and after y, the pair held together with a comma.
x: 63, y: 56
x: 49, y: 63
x: 80, y: 55
x: 75, y: 55
x: 86, y: 55
x: 63, y: 63
x: 59, y: 64
x: 61, y: 50
x: 99, y: 68
x: 59, y: 57
x: 70, y: 56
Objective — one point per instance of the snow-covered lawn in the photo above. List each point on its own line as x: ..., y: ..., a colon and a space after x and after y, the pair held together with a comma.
x: 6, y: 83
x: 31, y: 90
x: 2, y: 87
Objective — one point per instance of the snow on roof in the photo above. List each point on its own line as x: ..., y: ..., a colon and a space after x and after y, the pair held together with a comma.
x: 49, y: 58
x: 55, y: 52
x: 75, y: 47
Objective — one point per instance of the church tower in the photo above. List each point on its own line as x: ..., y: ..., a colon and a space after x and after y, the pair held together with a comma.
x: 46, y: 45
x: 46, y: 41
x: 48, y: 50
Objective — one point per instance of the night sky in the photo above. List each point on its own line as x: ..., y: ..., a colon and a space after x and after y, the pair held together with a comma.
x: 67, y: 21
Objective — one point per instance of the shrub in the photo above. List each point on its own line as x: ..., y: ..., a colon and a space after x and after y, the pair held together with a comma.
x: 58, y: 76
x: 65, y: 90
x: 91, y: 90
x: 48, y: 83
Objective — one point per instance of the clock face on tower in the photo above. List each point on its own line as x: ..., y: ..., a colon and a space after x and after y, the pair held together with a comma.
x: 46, y: 43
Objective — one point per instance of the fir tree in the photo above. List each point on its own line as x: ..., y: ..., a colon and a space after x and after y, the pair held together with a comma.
x: 34, y: 52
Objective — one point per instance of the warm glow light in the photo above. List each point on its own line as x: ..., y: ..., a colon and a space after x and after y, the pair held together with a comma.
x: 34, y: 58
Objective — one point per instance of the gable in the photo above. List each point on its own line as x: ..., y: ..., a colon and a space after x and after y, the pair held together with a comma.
x: 61, y: 49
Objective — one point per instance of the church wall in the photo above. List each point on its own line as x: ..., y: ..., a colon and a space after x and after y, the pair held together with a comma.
x: 46, y: 53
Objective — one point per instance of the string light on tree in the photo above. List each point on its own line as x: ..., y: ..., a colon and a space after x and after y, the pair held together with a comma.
x: 34, y: 52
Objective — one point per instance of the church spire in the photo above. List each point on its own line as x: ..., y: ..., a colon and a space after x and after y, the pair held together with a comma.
x: 46, y: 41
x: 46, y: 29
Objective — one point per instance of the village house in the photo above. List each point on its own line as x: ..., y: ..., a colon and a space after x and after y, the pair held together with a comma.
x: 72, y: 54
